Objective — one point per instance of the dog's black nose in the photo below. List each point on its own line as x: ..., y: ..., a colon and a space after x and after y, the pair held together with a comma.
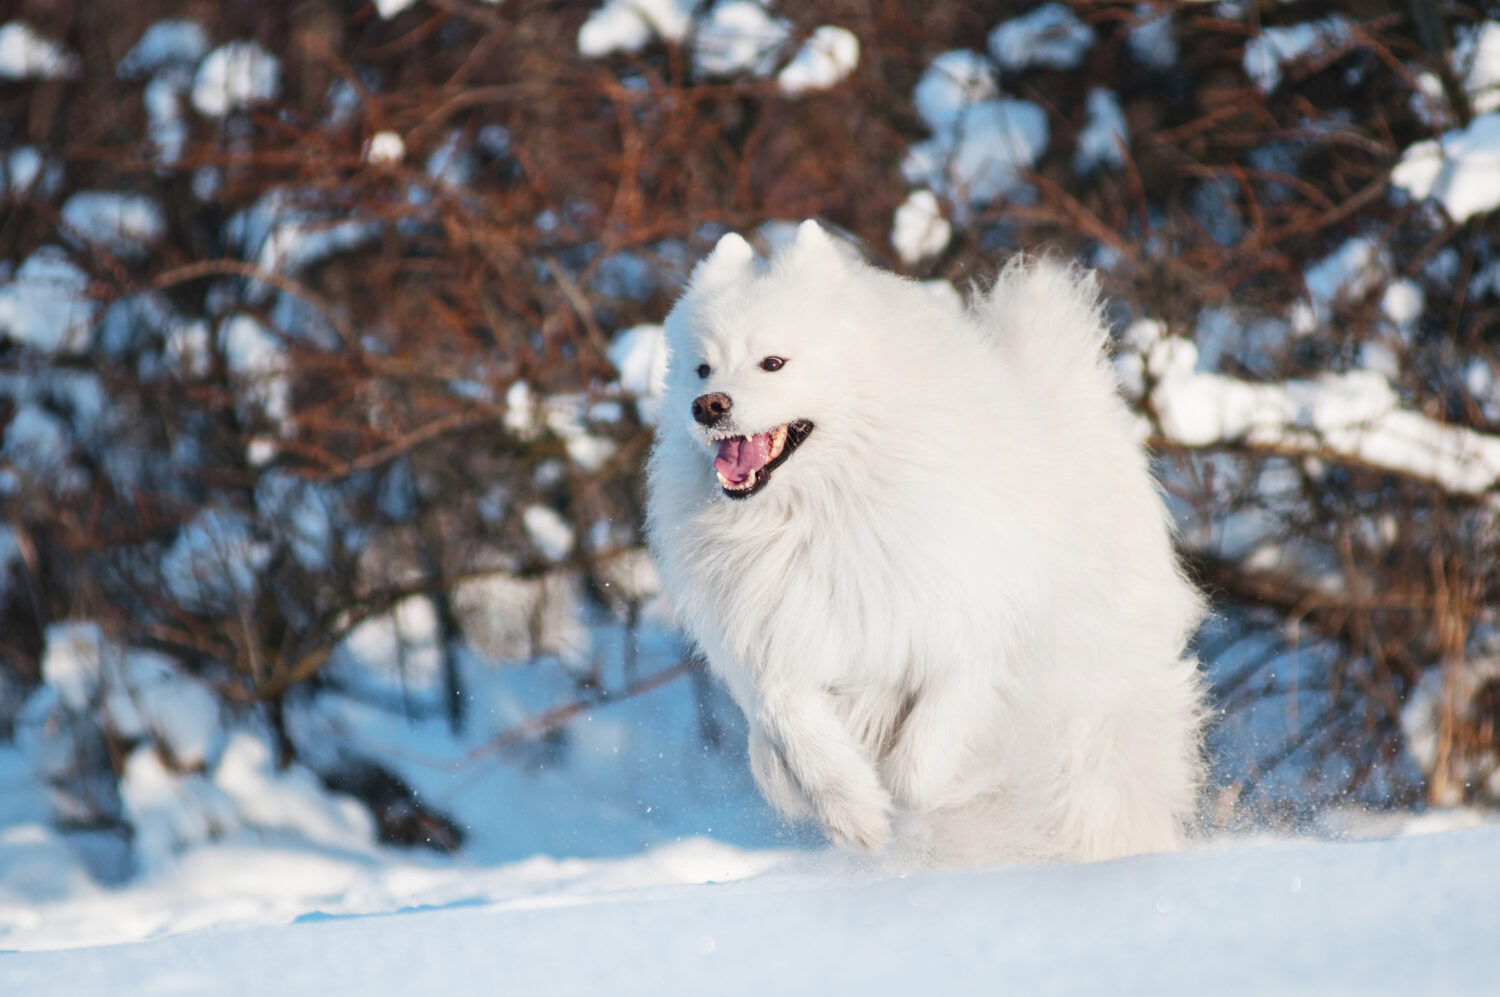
x: 709, y: 409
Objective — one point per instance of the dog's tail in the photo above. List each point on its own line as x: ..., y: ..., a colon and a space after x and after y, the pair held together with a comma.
x: 1048, y: 317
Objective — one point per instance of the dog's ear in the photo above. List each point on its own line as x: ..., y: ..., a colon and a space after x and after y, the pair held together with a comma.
x: 731, y: 258
x: 814, y: 245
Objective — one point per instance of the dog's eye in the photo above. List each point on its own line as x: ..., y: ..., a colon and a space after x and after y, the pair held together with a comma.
x: 772, y: 363
x: 704, y: 370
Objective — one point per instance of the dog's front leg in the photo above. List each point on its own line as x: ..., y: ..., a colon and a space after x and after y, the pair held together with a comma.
x: 830, y: 767
x: 776, y: 782
x: 932, y: 747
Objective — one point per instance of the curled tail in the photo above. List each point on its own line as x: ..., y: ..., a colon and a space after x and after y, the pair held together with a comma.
x: 1048, y: 318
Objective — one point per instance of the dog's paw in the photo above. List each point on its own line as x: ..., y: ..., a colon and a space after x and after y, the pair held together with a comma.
x: 862, y: 820
x: 775, y: 780
x: 919, y: 775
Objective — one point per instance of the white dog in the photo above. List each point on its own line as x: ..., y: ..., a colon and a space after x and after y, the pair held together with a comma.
x: 922, y: 549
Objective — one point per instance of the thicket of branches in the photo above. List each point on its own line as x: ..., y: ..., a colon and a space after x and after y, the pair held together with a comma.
x: 363, y: 439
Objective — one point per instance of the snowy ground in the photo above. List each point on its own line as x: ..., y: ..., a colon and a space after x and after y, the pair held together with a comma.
x: 631, y: 859
x: 1402, y: 915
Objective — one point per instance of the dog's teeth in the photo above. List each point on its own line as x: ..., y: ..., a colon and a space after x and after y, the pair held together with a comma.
x: 778, y: 441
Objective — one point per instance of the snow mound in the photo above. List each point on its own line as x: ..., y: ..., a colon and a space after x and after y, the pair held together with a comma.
x: 1392, y: 916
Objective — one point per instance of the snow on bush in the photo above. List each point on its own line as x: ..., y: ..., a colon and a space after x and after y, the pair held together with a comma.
x: 25, y: 171
x: 1274, y: 48
x: 25, y: 54
x: 1105, y: 136
x: 1050, y: 35
x: 980, y: 156
x: 124, y: 224
x: 738, y: 36
x: 47, y: 305
x: 829, y: 54
x: 920, y: 230
x: 1457, y: 170
x: 629, y: 25
x: 214, y: 561
x: 169, y: 44
x: 234, y: 77
x: 951, y: 83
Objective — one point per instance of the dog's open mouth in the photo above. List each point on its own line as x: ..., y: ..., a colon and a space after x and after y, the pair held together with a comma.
x: 745, y: 463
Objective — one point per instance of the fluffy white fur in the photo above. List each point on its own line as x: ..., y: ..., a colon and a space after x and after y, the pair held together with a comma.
x: 954, y: 614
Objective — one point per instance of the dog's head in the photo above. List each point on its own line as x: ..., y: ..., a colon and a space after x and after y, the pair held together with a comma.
x: 756, y: 355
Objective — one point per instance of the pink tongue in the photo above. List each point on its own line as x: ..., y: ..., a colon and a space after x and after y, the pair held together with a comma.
x: 739, y: 456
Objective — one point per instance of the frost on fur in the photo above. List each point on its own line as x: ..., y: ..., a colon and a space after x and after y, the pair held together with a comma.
x: 923, y: 551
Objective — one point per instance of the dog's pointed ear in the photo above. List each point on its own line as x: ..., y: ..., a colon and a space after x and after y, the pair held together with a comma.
x: 814, y: 244
x: 731, y: 258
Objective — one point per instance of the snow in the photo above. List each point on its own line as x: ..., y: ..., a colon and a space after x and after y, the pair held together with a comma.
x: 1152, y: 39
x: 1348, y: 273
x: 1477, y: 58
x: 36, y: 448
x: 979, y: 157
x: 829, y: 55
x: 149, y: 692
x: 548, y: 531
x: 123, y: 224
x: 1356, y: 415
x: 738, y: 36
x: 1049, y: 36
x: 165, y: 121
x: 24, y: 54
x: 24, y: 170
x: 257, y: 360
x: 166, y: 44
x: 1268, y: 52
x: 1461, y: 169
x: 234, y: 77
x: 919, y: 229
x: 214, y: 560
x: 73, y: 662
x: 390, y: 8
x: 281, y: 235
x: 1394, y: 916
x: 385, y: 148
x: 640, y: 355
x: 47, y: 305
x: 1105, y: 136
x: 630, y: 25
x: 951, y: 83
